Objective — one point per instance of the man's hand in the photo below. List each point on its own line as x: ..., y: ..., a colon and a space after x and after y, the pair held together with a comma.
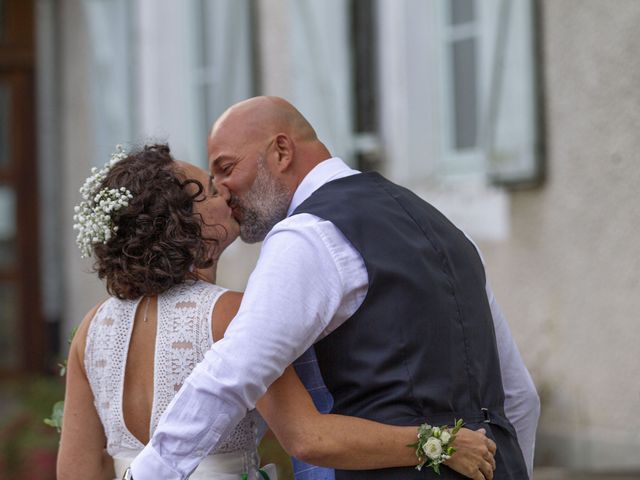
x: 474, y: 454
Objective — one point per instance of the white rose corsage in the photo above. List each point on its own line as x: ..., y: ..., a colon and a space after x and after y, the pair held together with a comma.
x: 434, y: 445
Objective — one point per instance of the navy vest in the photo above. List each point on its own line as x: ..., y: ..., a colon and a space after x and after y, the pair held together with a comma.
x: 422, y: 346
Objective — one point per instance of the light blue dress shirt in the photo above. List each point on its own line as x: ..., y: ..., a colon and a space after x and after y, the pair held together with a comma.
x: 308, y: 370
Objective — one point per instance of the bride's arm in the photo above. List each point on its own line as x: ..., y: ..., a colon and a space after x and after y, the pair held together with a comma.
x: 348, y: 443
x: 352, y: 443
x: 82, y: 443
x: 330, y: 440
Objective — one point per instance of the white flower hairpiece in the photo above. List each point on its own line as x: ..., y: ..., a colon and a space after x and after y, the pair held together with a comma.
x: 93, y: 215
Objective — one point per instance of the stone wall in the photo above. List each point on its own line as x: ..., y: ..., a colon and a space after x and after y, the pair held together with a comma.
x: 568, y: 277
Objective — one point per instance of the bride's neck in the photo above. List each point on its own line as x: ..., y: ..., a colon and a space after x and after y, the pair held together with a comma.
x: 208, y: 274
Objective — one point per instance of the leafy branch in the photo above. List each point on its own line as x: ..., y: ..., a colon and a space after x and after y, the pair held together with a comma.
x: 55, y: 420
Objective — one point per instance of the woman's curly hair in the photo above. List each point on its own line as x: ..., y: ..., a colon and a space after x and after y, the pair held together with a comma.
x: 158, y: 242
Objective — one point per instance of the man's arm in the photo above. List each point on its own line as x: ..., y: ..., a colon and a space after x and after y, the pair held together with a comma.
x: 295, y: 292
x: 521, y: 404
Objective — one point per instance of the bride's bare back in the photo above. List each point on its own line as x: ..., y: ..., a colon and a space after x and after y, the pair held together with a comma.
x: 137, y: 400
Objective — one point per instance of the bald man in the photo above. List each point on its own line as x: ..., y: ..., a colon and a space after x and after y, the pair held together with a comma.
x: 392, y: 296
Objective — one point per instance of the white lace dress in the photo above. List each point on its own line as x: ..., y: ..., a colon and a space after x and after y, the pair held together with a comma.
x: 183, y: 336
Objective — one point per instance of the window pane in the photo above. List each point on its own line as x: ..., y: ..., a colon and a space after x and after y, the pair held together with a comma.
x: 9, y: 334
x: 462, y: 11
x: 5, y: 100
x: 465, y: 101
x: 7, y: 227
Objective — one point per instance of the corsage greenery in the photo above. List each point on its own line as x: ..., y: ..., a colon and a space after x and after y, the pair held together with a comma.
x: 435, y: 445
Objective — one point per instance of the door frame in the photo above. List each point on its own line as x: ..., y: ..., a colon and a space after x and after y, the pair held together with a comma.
x: 17, y: 70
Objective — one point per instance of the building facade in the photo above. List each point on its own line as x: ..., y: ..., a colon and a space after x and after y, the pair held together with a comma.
x: 517, y: 118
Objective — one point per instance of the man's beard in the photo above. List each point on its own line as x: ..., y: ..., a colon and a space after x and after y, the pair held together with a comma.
x: 264, y: 205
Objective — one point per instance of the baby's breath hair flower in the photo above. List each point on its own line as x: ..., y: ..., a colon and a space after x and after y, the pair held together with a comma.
x: 93, y: 216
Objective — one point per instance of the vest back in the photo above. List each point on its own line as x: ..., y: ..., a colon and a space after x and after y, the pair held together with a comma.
x: 422, y: 345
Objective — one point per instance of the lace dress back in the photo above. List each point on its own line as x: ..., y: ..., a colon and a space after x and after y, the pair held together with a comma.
x: 183, y: 337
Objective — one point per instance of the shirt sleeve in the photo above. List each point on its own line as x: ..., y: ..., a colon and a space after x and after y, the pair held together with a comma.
x: 521, y: 404
x: 296, y: 294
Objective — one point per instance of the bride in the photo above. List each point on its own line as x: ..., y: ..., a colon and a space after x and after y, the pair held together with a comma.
x: 156, y: 230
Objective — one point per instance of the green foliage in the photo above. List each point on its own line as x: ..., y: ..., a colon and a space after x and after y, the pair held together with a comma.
x: 55, y: 420
x: 27, y: 447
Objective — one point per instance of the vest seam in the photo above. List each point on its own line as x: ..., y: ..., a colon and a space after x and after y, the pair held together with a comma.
x: 355, y: 314
x: 449, y: 281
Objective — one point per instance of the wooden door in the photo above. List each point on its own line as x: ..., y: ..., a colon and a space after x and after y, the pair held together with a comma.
x: 21, y: 327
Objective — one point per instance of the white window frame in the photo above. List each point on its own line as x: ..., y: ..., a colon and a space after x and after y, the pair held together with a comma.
x: 416, y: 114
x: 415, y: 103
x: 453, y: 161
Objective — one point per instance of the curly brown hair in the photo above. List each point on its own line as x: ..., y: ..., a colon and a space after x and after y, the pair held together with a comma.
x: 158, y: 242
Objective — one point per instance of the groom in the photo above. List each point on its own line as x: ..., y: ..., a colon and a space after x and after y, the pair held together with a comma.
x: 394, y: 297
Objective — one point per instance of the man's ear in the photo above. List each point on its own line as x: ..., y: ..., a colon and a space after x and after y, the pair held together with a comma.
x: 285, y: 149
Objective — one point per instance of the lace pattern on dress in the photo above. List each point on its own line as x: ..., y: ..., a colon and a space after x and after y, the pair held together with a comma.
x: 183, y: 337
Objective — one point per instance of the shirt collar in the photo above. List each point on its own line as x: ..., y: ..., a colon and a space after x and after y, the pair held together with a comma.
x: 325, y: 171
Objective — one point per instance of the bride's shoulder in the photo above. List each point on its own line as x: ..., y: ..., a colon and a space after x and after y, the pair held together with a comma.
x: 223, y: 312
x: 212, y: 288
x: 198, y: 289
x: 79, y: 335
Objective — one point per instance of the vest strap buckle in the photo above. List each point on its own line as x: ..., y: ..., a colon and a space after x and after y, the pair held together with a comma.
x: 485, y: 413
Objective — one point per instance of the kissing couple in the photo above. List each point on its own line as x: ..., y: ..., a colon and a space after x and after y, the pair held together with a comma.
x: 367, y: 333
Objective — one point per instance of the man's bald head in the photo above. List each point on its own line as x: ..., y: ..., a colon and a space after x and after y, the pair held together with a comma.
x: 249, y: 127
x: 259, y: 152
x: 263, y: 116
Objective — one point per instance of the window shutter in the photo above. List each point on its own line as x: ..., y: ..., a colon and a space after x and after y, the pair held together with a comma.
x: 225, y: 54
x: 110, y: 62
x: 221, y: 69
x: 321, y: 70
x: 511, y: 129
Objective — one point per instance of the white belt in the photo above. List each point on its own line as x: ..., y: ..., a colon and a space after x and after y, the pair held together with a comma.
x: 220, y: 466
